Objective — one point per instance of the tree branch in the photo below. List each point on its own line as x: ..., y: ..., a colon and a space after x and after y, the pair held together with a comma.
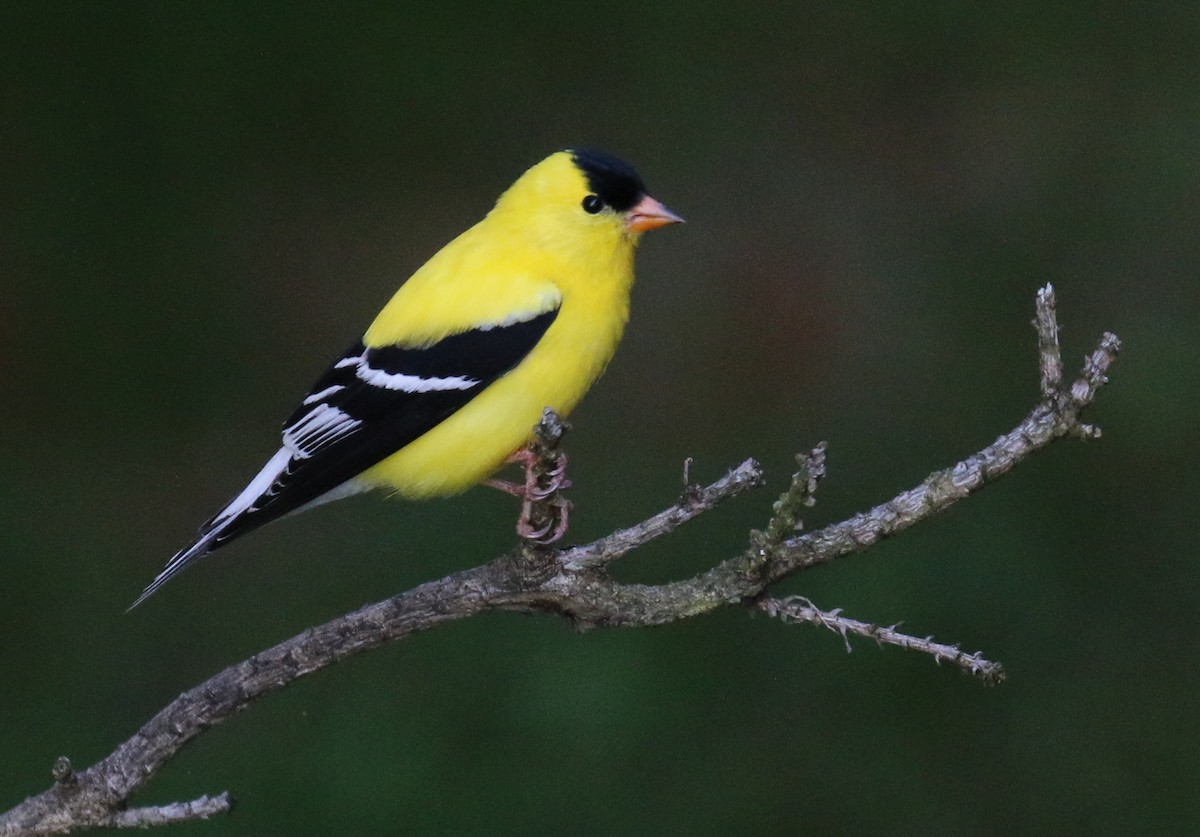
x: 573, y: 583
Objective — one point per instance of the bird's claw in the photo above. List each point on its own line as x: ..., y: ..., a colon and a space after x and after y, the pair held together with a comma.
x: 540, y: 494
x: 539, y: 500
x: 553, y: 529
x: 526, y: 531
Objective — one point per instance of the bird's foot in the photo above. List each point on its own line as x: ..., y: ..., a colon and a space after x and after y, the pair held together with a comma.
x: 544, y: 511
x: 553, y: 527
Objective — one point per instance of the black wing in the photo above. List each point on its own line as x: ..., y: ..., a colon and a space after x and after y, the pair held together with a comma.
x: 373, y: 402
x: 366, y: 407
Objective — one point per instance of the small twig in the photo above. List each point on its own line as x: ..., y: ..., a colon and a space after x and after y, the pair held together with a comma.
x: 800, y: 609
x: 1049, y: 355
x: 800, y: 495
x: 695, y: 501
x: 197, y: 809
x: 1095, y: 370
x: 1094, y: 376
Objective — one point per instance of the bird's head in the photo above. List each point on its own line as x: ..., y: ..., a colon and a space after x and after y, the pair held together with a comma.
x: 583, y: 195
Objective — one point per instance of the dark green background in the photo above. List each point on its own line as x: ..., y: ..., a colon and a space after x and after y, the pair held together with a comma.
x: 201, y: 204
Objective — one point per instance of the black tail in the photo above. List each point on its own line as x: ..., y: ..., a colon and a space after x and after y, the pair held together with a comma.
x: 203, y: 545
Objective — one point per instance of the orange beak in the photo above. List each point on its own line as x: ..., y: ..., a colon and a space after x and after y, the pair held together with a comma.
x: 649, y: 214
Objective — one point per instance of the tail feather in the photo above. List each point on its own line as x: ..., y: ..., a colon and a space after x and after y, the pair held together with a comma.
x: 204, y: 545
x: 237, y: 517
x: 258, y: 503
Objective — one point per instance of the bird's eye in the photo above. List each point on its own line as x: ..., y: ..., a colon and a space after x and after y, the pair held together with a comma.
x: 592, y: 204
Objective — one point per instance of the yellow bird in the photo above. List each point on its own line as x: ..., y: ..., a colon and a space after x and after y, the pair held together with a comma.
x: 521, y: 312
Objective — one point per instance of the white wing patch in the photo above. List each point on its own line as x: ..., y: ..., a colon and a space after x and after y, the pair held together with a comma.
x: 323, y: 394
x: 320, y: 427
x: 411, y: 383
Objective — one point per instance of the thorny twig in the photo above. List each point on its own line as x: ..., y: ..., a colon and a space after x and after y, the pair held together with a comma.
x: 800, y: 609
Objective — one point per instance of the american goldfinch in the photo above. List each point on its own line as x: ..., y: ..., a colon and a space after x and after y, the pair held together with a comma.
x: 521, y: 312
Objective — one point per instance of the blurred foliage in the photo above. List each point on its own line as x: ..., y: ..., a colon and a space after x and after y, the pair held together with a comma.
x: 201, y: 203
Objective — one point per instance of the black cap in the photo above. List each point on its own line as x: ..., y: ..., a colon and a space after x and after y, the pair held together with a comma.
x: 614, y: 181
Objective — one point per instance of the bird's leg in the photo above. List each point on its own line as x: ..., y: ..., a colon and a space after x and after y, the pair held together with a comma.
x: 527, y: 460
x: 505, y: 486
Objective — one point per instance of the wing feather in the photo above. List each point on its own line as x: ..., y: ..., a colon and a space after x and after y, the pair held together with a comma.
x: 375, y: 400
x: 369, y: 404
